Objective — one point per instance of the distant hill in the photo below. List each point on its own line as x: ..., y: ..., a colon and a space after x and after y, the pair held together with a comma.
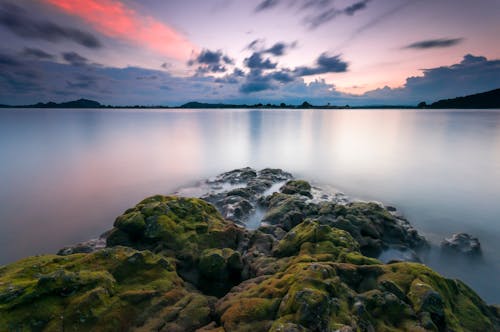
x: 195, y: 104
x: 490, y: 99
x: 80, y: 103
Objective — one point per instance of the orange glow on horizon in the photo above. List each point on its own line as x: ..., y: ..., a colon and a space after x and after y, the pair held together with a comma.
x: 113, y: 19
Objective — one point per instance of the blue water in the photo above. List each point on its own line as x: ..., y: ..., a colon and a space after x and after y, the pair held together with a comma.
x: 66, y: 174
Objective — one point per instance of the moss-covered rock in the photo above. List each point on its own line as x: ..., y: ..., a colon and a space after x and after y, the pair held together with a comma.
x: 328, y: 296
x: 109, y: 290
x: 287, y: 211
x: 182, y: 227
x: 313, y: 238
x: 185, y: 268
x: 299, y: 187
x: 373, y: 226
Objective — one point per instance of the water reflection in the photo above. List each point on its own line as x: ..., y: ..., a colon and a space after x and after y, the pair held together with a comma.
x: 65, y: 175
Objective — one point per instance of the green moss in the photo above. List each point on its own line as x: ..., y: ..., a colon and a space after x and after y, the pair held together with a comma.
x: 313, y: 279
x: 357, y: 258
x: 300, y: 187
x: 182, y: 227
x: 250, y: 314
x: 131, y: 223
x: 312, y: 232
x: 219, y: 263
x: 109, y: 289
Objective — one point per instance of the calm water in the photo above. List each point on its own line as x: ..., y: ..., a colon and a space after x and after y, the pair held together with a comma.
x: 66, y: 174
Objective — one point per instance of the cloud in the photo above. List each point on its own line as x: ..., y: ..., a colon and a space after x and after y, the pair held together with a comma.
x: 211, y: 61
x: 83, y: 81
x: 266, y: 4
x: 324, y: 64
x: 434, y: 43
x: 37, y: 53
x: 283, y: 76
x: 114, y: 19
x: 355, y: 7
x: 255, y: 44
x: 75, y: 59
x: 26, y: 80
x: 18, y: 22
x: 472, y: 75
x: 7, y: 60
x: 325, y: 12
x: 256, y: 86
x: 255, y: 61
x: 233, y: 78
x: 280, y: 48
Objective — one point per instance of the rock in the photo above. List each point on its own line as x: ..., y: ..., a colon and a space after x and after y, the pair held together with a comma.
x: 240, y: 204
x: 110, y: 289
x: 176, y: 264
x: 84, y: 247
x: 299, y: 187
x: 462, y: 243
x: 220, y: 264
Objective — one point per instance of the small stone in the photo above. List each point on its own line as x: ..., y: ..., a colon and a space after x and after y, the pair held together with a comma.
x: 462, y: 243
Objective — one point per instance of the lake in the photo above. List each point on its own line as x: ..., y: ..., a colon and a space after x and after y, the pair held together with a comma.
x: 66, y: 174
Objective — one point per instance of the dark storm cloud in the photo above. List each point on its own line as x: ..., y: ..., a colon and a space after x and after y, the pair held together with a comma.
x: 16, y: 20
x: 266, y: 4
x: 324, y: 64
x: 75, y: 59
x: 435, y: 43
x: 255, y: 61
x: 37, y: 54
x: 211, y: 62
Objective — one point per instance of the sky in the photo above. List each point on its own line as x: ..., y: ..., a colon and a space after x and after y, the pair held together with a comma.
x: 152, y: 52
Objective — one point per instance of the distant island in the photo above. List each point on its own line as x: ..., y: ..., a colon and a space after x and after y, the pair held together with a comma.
x: 484, y: 100
x: 489, y: 99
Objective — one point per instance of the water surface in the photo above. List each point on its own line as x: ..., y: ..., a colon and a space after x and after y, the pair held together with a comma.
x: 66, y: 174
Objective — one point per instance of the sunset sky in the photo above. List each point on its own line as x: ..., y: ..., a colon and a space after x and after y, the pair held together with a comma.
x: 152, y: 52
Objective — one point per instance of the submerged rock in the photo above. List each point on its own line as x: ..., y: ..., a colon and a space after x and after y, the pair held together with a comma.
x: 176, y: 264
x: 85, y: 247
x: 462, y: 243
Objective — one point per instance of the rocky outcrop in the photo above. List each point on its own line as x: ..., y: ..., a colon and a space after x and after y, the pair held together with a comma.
x: 115, y: 289
x: 236, y: 193
x: 175, y: 264
x: 462, y: 243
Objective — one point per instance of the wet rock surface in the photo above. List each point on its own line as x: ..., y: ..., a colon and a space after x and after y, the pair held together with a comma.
x: 177, y: 264
x: 462, y: 243
x: 85, y: 247
x: 236, y: 193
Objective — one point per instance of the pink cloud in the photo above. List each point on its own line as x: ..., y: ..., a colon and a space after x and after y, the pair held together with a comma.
x: 114, y: 19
